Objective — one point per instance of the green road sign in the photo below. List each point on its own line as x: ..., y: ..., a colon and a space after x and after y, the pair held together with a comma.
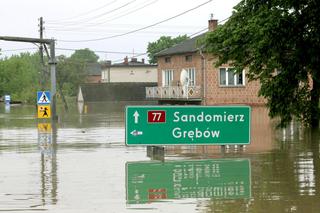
x: 188, y: 125
x: 215, y: 179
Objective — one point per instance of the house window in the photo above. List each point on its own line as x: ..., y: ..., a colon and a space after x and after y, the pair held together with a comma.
x: 167, y: 59
x: 188, y: 58
x: 191, y: 76
x: 167, y: 77
x: 228, y: 77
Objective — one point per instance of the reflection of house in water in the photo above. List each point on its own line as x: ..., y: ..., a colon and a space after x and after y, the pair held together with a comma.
x: 262, y: 137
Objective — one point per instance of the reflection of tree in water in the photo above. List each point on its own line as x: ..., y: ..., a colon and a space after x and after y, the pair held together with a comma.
x: 285, y: 180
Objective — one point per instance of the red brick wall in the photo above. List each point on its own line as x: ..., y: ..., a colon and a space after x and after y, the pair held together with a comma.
x: 178, y: 62
x: 214, y: 93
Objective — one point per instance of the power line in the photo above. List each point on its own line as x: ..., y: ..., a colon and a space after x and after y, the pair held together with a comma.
x: 21, y: 49
x: 82, y: 14
x: 98, y: 51
x: 125, y: 26
x: 205, y: 29
x: 118, y: 60
x: 128, y: 13
x: 101, y: 51
x: 137, y: 30
x: 120, y: 15
x: 226, y: 19
x: 143, y: 33
x: 100, y: 15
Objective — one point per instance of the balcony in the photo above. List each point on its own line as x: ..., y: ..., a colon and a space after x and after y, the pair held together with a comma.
x: 174, y: 93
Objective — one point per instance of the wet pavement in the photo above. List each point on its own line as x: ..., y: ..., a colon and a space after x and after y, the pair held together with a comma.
x: 81, y: 164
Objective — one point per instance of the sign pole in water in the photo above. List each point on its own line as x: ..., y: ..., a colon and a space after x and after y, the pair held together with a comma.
x: 188, y: 125
x: 7, y: 99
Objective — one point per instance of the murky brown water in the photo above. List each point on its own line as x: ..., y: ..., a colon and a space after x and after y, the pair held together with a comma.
x: 84, y: 166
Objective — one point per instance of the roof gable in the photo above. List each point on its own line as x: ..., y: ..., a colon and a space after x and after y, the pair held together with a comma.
x: 187, y: 46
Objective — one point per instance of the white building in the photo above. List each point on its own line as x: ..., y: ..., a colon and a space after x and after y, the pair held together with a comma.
x: 129, y: 71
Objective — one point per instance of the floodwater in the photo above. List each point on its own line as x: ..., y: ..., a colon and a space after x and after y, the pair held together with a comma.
x: 81, y: 164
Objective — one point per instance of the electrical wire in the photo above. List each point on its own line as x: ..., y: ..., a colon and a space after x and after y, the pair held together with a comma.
x: 118, y: 60
x: 85, y: 20
x: 109, y: 52
x: 137, y: 30
x: 205, y: 29
x: 81, y: 14
x: 118, y: 16
x: 21, y: 49
x: 128, y: 13
x: 99, y: 51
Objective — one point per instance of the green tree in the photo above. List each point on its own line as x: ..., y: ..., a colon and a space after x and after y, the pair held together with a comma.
x: 19, y: 76
x: 278, y: 41
x: 162, y: 43
x: 72, y: 71
x: 84, y: 56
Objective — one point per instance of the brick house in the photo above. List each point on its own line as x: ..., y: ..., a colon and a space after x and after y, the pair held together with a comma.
x: 207, y: 84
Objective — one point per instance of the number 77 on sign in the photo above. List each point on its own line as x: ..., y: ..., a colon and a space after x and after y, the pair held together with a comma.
x: 157, y: 116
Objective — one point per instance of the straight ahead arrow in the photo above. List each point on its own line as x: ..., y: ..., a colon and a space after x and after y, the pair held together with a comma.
x: 136, y: 117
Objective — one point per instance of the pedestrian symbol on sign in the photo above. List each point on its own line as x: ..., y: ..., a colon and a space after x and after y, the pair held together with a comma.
x: 44, y: 111
x: 43, y: 97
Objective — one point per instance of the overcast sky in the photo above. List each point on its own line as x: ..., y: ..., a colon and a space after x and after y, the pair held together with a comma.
x: 72, y: 22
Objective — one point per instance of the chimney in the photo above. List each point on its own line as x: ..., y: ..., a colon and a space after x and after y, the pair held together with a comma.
x: 212, y: 23
x: 106, y: 64
x: 142, y: 60
x: 126, y: 60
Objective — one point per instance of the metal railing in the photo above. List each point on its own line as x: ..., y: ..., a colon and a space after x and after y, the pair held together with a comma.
x: 174, y: 92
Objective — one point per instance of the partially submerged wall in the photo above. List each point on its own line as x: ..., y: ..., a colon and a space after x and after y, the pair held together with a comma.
x: 114, y: 92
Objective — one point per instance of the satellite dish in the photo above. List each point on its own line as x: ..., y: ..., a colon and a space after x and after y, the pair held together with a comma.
x: 184, y: 78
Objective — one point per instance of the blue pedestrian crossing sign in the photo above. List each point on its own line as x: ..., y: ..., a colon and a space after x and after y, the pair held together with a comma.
x: 43, y: 97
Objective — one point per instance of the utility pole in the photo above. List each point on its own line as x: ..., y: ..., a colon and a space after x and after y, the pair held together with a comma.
x: 43, y: 72
x: 52, y: 62
x: 41, y: 37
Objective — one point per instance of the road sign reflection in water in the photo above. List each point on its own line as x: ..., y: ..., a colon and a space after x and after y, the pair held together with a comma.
x: 216, y: 179
x: 171, y: 125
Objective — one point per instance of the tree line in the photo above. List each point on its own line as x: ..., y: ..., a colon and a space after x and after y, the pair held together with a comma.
x: 22, y: 75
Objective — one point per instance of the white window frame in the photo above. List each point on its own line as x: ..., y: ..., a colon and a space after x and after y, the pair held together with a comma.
x: 235, y: 79
x: 167, y: 77
x: 191, y: 76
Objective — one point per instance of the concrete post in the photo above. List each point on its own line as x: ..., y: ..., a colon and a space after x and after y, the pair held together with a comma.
x: 53, y: 63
